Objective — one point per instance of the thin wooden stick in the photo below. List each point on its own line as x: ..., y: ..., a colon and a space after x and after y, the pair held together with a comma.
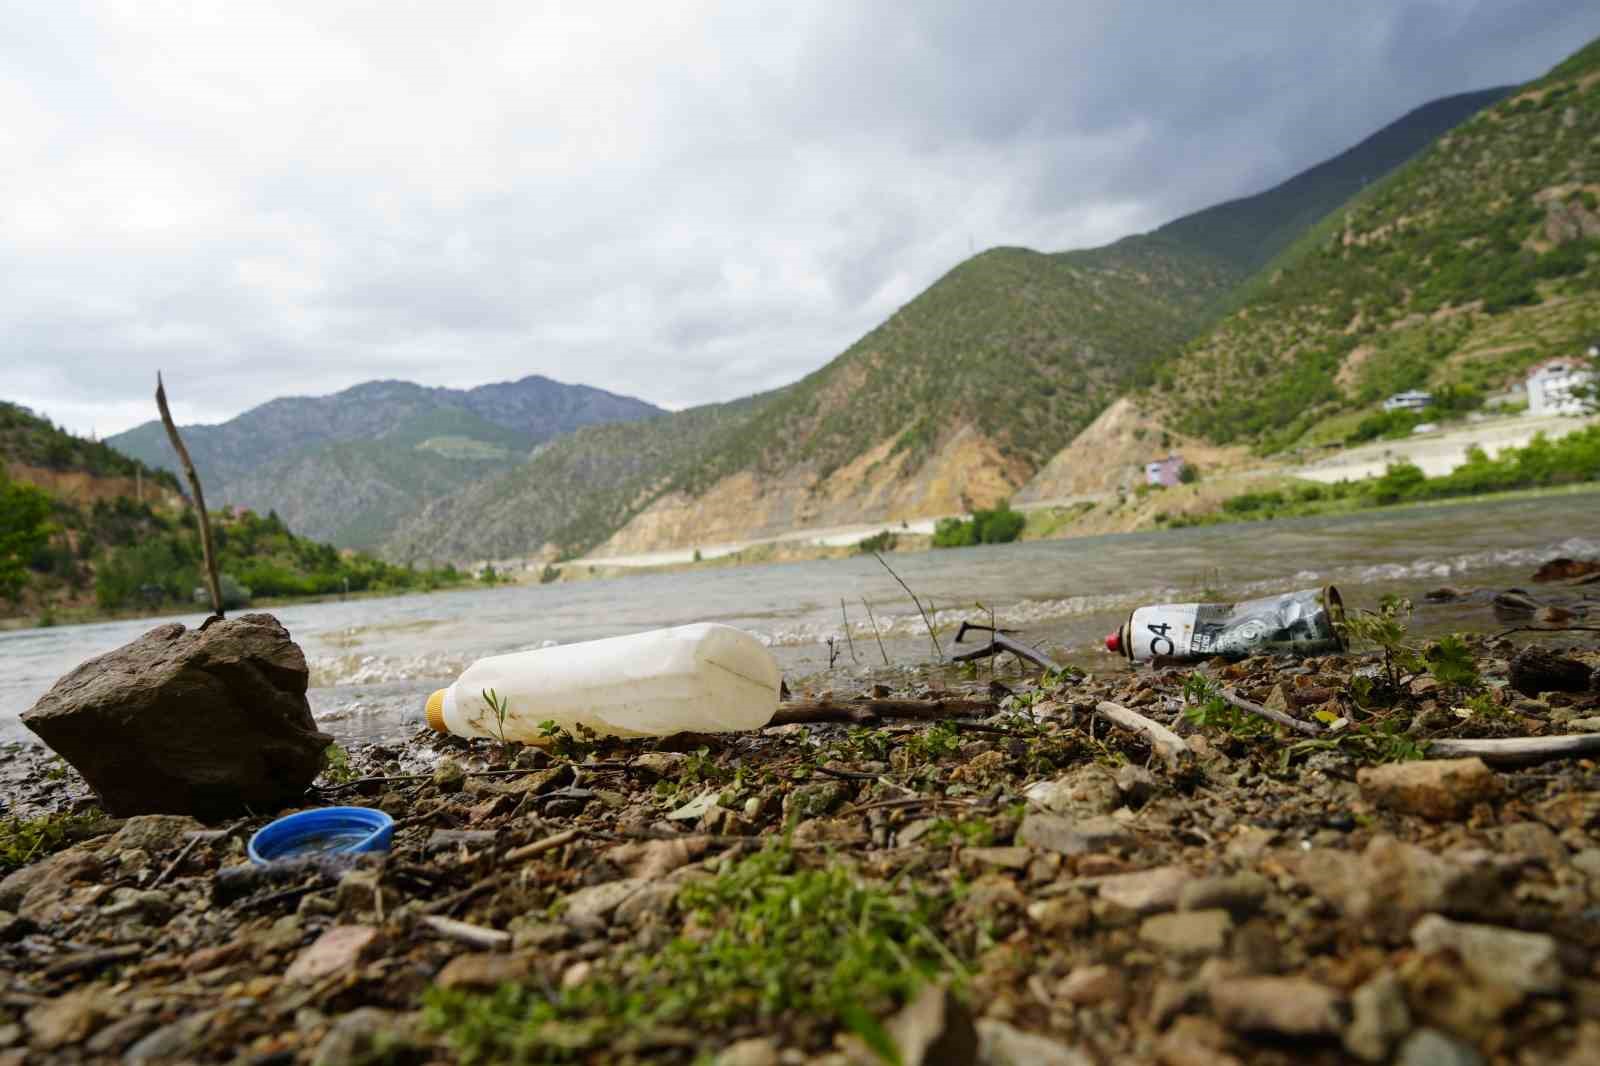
x: 875, y: 632
x: 851, y: 640
x: 472, y: 935
x: 212, y: 584
x: 925, y: 621
x: 1170, y: 745
x: 539, y: 847
x: 1518, y: 751
x: 868, y: 711
x: 1309, y: 728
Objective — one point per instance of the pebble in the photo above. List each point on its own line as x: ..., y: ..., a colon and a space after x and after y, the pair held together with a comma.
x: 756, y: 1051
x: 1087, y: 790
x: 1146, y: 891
x: 1088, y: 985
x: 1136, y: 784
x: 67, y: 1019
x: 336, y: 950
x: 1004, y: 1045
x: 1439, y: 789
x: 1071, y: 836
x: 1289, y: 1006
x: 1005, y: 858
x: 175, y: 1040
x: 934, y: 1029
x: 1187, y: 934
x: 357, y: 891
x: 1240, y: 895
x: 1379, y: 1018
x: 1526, y: 962
x: 1428, y: 1047
x: 594, y: 904
x: 483, y: 969
x: 353, y: 1037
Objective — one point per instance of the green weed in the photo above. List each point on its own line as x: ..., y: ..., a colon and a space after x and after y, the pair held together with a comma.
x: 773, y: 940
x: 27, y: 840
x: 336, y: 767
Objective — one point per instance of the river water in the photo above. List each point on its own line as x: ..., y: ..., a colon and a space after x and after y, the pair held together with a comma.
x: 373, y: 661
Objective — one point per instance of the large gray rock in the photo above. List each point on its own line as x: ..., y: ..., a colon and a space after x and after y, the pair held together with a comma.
x: 210, y: 722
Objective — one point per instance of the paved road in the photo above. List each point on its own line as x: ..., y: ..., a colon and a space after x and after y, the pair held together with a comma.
x: 1437, y: 453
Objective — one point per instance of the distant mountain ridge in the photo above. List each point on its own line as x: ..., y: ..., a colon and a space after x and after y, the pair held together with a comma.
x: 1250, y: 231
x: 346, y: 467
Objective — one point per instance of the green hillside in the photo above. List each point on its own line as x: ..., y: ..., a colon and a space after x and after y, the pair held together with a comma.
x: 79, y: 540
x: 573, y: 493
x: 1463, y: 268
x: 27, y: 439
x: 1026, y: 347
x: 1249, y: 232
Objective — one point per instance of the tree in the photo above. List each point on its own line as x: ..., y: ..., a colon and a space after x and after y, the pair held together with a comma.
x: 24, y: 529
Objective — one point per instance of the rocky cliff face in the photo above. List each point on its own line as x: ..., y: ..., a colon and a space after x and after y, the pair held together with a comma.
x: 965, y: 470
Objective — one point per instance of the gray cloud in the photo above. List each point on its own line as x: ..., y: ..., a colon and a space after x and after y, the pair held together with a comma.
x: 685, y: 203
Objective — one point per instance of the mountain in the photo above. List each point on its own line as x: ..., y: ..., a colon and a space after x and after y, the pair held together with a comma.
x: 1475, y: 260
x: 348, y: 467
x: 1249, y: 232
x: 957, y: 400
x: 572, y: 494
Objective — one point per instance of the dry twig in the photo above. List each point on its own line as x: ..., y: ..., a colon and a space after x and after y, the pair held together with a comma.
x: 1170, y: 745
x: 213, y: 585
x: 1309, y: 728
x: 925, y: 620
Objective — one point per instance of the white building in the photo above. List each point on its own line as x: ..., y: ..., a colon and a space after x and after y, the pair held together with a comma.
x: 1552, y: 384
x: 1408, y: 401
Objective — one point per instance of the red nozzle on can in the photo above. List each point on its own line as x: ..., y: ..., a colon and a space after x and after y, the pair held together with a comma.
x: 1113, y: 642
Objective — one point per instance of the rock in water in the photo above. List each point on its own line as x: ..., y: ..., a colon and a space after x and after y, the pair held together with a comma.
x: 209, y: 722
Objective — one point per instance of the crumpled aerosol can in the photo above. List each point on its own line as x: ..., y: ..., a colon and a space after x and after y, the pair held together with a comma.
x: 1301, y: 623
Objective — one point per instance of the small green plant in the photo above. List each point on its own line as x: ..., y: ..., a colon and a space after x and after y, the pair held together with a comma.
x: 565, y: 744
x: 932, y: 744
x: 1451, y: 662
x: 775, y: 940
x: 336, y: 765
x: 27, y: 840
x: 499, y: 708
x: 971, y: 832
x: 1206, y: 709
x: 1386, y: 627
x: 549, y: 574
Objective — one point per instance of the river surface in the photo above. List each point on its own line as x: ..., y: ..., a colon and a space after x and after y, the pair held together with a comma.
x: 373, y: 661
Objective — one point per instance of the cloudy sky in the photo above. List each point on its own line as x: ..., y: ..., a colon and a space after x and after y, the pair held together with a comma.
x: 680, y: 201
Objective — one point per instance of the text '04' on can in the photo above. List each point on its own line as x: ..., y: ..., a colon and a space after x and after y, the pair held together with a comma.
x: 1301, y: 623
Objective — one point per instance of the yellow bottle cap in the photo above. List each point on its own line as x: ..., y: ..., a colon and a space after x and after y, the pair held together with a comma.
x: 435, y: 712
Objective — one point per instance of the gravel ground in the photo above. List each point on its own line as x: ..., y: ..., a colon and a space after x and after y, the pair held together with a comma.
x: 1011, y: 877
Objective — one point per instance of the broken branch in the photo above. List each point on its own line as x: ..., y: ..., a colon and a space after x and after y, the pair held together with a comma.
x: 1170, y: 745
x: 213, y: 585
x: 1309, y: 728
x: 1518, y: 751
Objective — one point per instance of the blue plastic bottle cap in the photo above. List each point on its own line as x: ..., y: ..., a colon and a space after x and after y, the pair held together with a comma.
x: 320, y: 832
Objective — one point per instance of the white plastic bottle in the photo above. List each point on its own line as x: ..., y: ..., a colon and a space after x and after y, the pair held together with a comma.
x: 703, y: 678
